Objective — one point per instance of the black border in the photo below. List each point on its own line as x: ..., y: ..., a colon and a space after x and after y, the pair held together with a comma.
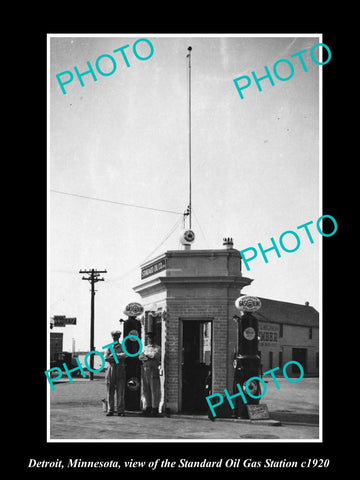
x: 33, y: 427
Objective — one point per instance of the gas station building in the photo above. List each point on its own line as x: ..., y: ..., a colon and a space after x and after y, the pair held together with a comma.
x: 189, y: 303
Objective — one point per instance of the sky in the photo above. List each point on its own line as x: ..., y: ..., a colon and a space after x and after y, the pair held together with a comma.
x: 256, y: 165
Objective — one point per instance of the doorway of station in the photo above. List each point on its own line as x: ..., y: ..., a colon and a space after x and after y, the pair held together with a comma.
x: 299, y: 355
x: 196, y: 364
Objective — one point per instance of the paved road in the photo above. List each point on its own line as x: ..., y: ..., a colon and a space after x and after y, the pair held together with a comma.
x: 76, y: 414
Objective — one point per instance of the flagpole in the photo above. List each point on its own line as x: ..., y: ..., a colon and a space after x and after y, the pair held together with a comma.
x: 189, y: 55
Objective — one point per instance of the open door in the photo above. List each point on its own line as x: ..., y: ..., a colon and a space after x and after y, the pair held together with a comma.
x: 196, y: 364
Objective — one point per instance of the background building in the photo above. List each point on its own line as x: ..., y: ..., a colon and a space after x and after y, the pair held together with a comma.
x: 288, y: 331
x: 56, y: 343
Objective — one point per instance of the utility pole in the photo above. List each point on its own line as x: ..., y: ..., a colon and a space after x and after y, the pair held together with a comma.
x: 93, y: 277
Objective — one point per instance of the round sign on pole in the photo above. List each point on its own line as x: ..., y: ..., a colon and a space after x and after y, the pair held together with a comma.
x: 249, y: 333
x: 187, y: 237
x: 135, y: 333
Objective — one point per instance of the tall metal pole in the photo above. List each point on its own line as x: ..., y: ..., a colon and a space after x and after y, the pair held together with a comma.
x: 189, y: 55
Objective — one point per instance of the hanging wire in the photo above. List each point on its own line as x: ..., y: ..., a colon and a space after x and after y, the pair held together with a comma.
x: 167, y: 236
x: 114, y: 202
x: 201, y: 230
x: 120, y: 277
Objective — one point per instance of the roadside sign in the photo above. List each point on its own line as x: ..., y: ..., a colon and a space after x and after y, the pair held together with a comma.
x: 70, y: 321
x: 62, y: 320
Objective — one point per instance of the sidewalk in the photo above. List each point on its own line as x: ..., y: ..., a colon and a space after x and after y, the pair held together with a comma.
x: 76, y: 413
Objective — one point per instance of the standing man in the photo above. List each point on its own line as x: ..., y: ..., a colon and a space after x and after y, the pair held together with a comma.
x: 115, y: 377
x: 150, y: 358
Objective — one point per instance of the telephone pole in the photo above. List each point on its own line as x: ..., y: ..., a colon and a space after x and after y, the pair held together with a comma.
x: 93, y: 277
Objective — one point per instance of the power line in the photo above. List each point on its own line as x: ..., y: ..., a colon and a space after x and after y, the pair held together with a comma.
x: 173, y: 228
x: 116, y: 203
x: 167, y: 236
x: 202, y: 231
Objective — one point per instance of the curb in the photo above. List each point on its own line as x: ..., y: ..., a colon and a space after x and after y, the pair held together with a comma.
x: 266, y: 422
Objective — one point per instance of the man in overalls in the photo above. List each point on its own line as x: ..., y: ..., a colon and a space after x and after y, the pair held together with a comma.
x: 115, y: 377
x: 150, y: 358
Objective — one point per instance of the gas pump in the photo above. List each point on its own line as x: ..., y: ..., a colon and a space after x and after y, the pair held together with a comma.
x: 132, y: 326
x: 246, y: 361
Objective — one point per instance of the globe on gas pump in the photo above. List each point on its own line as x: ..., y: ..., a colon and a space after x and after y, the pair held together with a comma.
x: 246, y: 360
